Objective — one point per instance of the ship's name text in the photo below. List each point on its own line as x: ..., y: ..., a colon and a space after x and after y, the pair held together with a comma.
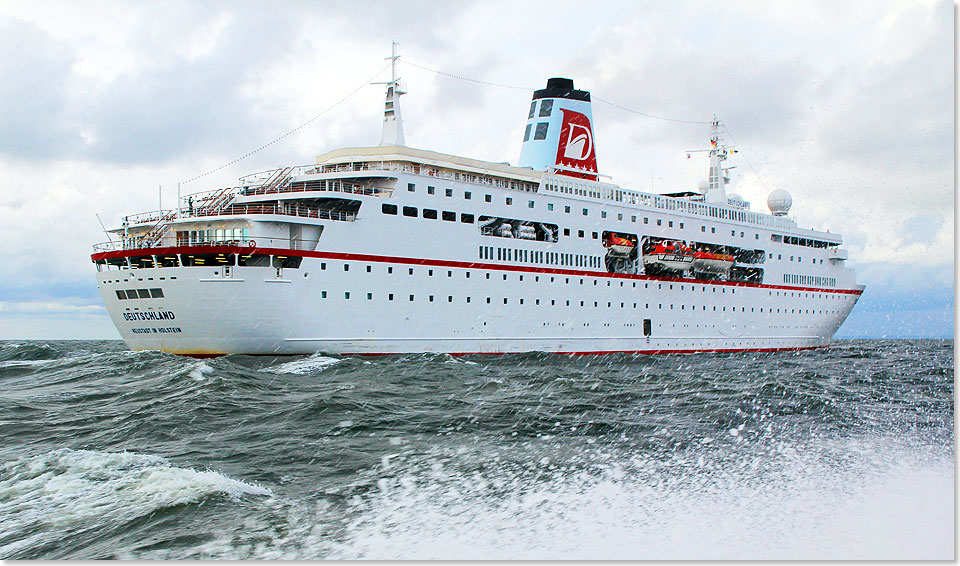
x: 149, y: 315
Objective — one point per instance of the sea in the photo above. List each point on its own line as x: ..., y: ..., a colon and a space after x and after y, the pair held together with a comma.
x: 840, y: 453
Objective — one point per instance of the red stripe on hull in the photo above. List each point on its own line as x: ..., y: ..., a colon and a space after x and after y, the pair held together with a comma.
x: 604, y: 352
x: 597, y: 353
x: 450, y: 263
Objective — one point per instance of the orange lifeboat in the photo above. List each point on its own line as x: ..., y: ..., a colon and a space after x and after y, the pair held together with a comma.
x: 619, y: 245
x: 670, y: 255
x: 714, y: 263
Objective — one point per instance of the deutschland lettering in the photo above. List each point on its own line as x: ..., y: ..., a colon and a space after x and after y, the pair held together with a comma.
x: 149, y: 315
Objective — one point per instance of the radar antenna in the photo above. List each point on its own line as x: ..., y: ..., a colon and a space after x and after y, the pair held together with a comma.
x: 716, y: 185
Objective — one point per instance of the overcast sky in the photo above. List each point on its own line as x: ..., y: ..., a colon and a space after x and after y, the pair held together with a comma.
x: 848, y: 105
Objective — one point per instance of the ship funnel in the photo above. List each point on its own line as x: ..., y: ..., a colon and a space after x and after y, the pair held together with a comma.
x: 559, y: 132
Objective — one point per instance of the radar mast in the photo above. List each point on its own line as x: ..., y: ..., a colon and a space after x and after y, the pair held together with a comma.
x: 392, y: 121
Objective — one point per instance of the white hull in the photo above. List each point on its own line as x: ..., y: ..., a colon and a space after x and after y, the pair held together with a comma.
x: 253, y: 311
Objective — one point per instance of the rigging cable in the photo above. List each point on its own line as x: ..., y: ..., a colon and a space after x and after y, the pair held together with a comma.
x: 752, y: 168
x: 503, y: 85
x: 293, y: 131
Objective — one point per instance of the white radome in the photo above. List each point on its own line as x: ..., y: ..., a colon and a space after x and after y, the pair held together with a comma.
x: 703, y: 186
x: 779, y: 202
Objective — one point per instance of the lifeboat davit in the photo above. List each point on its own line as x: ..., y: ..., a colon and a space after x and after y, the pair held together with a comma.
x: 714, y: 263
x: 669, y: 255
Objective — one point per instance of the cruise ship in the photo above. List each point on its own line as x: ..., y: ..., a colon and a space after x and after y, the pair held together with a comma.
x: 390, y: 249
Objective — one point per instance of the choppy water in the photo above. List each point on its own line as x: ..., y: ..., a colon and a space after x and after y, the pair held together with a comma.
x: 841, y: 453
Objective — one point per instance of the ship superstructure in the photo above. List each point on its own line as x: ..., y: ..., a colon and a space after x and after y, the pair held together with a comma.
x: 391, y: 249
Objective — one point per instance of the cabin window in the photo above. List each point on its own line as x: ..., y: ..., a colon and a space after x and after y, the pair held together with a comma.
x: 411, y: 187
x: 140, y: 262
x: 549, y: 206
x: 389, y: 208
x: 566, y: 209
x: 287, y: 261
x: 430, y: 213
x: 467, y: 195
x: 529, y: 204
x: 545, y: 108
x: 431, y: 190
x: 168, y: 260
x: 201, y: 260
x: 410, y: 211
x: 487, y: 198
x: 526, y: 132
x: 448, y: 192
x: 509, y: 200
x: 533, y: 109
x: 449, y: 216
x: 466, y: 218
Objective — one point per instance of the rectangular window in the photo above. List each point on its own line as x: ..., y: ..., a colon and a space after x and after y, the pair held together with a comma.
x: 566, y: 209
x: 467, y: 195
x: 389, y: 208
x: 585, y: 211
x: 431, y: 190
x: 411, y: 187
x: 526, y: 132
x: 410, y: 211
x: 545, y: 108
x: 541, y: 133
x: 430, y: 213
x: 533, y: 109
x: 529, y: 204
x: 487, y: 198
x: 448, y: 192
x: 449, y: 216
x: 466, y: 218
x: 122, y: 295
x: 509, y: 200
x: 549, y: 206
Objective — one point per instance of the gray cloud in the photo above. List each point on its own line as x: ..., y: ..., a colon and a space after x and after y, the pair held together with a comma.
x: 33, y: 76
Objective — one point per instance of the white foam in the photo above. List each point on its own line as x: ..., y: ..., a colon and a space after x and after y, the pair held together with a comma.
x: 52, y: 495
x: 879, y: 500
x: 306, y: 365
x: 24, y: 363
x: 197, y: 372
x: 831, y: 499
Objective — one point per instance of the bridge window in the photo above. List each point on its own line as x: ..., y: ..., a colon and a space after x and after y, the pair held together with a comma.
x: 541, y: 133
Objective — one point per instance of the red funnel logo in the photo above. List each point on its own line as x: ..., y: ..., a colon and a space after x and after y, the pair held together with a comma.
x: 576, y: 150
